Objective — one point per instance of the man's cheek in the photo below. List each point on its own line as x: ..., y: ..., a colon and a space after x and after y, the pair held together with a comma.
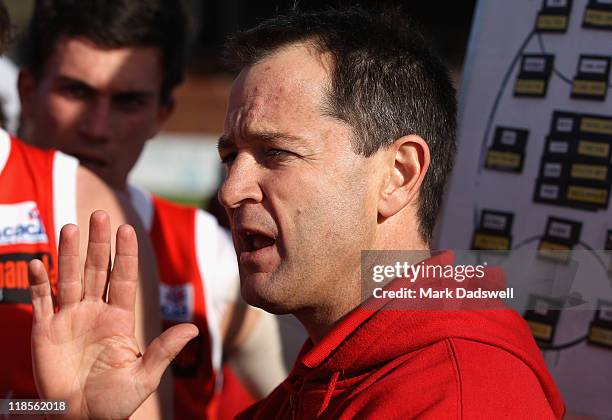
x: 53, y: 127
x: 62, y: 114
x: 142, y: 124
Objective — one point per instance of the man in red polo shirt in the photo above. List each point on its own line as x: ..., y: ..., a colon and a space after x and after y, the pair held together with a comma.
x: 338, y: 139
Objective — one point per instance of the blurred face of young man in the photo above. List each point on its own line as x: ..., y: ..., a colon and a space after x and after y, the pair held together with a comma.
x: 301, y: 202
x: 100, y: 105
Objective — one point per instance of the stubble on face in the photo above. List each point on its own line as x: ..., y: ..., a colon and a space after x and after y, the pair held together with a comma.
x: 319, y: 195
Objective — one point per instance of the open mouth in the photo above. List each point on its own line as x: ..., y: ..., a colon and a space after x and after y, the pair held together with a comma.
x: 256, y: 248
x: 255, y: 241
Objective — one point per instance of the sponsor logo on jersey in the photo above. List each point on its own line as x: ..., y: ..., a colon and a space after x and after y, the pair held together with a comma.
x: 20, y: 224
x: 176, y: 302
x: 14, y: 276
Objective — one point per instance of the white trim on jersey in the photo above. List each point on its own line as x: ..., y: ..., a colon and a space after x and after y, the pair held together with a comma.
x: 5, y: 148
x: 217, y: 266
x: 143, y: 204
x: 64, y: 191
x: 219, y: 270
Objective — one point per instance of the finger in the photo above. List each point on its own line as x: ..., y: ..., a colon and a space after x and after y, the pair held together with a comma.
x: 69, y: 272
x: 40, y: 290
x: 164, y: 349
x: 124, y: 277
x: 97, y: 262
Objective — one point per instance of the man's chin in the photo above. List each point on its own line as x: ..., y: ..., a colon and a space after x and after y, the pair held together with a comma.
x: 259, y: 290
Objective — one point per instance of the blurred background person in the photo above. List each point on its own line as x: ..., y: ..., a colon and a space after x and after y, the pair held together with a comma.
x: 32, y: 211
x: 97, y: 83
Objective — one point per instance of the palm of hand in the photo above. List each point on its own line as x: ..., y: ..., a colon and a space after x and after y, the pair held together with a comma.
x: 90, y: 351
x: 86, y: 353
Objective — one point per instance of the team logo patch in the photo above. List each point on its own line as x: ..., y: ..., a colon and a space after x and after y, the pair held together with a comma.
x: 20, y: 224
x: 176, y: 302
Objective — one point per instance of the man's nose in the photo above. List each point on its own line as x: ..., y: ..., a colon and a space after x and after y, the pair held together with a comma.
x: 241, y: 183
x: 96, y: 121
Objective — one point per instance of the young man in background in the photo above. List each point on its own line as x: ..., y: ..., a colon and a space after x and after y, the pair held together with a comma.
x: 97, y: 83
x: 40, y: 191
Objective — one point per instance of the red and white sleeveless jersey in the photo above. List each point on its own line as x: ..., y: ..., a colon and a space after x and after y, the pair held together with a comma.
x: 37, y: 197
x: 199, y: 280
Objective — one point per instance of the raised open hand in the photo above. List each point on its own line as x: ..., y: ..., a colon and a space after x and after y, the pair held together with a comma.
x: 86, y: 353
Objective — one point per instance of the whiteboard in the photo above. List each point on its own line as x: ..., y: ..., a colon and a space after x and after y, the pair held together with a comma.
x: 498, y: 91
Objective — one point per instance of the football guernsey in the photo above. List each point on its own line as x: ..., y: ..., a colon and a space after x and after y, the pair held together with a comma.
x: 37, y: 197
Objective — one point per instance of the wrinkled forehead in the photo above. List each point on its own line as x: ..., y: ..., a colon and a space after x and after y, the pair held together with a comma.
x: 288, y: 87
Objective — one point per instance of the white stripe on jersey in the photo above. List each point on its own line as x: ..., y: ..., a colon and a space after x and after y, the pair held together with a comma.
x: 217, y: 266
x: 64, y: 191
x: 5, y: 148
x: 143, y: 204
x: 219, y: 270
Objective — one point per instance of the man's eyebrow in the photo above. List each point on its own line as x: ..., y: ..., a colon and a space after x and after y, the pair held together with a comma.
x: 261, y: 136
x: 73, y: 81
x: 275, y: 136
x: 64, y: 79
x: 135, y: 94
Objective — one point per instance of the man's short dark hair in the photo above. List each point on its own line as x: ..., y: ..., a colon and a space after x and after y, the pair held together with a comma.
x: 385, y: 83
x: 111, y: 24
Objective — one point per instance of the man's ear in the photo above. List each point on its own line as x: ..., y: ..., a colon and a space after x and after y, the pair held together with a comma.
x: 408, y: 161
x: 26, y: 85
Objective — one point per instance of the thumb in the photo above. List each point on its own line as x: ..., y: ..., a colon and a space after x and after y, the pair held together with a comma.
x: 164, y: 349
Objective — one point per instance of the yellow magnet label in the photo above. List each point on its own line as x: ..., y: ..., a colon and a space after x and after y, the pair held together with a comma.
x: 591, y: 148
x: 503, y: 159
x: 484, y: 241
x: 552, y: 22
x: 596, y: 125
x: 539, y: 330
x: 600, y: 335
x: 597, y: 172
x: 598, y: 17
x: 587, y: 195
x: 589, y: 87
x: 529, y: 87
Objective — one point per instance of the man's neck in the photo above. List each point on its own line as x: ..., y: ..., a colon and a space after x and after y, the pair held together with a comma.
x: 319, y: 321
x: 319, y: 324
